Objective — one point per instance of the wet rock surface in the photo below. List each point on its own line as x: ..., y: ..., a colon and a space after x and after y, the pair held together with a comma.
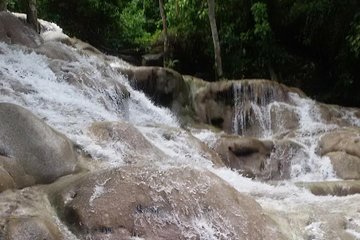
x: 135, y: 148
x: 38, y: 150
x: 164, y: 86
x: 13, y: 31
x: 342, y: 146
x: 160, y: 204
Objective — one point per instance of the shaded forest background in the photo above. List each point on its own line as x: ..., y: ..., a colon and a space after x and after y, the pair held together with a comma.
x: 310, y: 44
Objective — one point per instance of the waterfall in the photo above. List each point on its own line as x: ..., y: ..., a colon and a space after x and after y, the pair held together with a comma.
x: 71, y: 95
x: 252, y: 101
x: 261, y: 110
x: 75, y: 95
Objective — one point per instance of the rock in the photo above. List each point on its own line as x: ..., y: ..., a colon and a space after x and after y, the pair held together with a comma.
x: 27, y: 215
x: 13, y: 31
x: 248, y: 155
x: 283, y: 119
x: 164, y: 86
x: 14, y: 174
x: 342, y: 116
x: 42, y: 153
x: 261, y: 159
x: 185, y: 149
x: 56, y: 50
x: 138, y: 149
x: 284, y: 155
x: 6, y: 181
x: 31, y: 228
x: 346, y: 166
x: 109, y: 92
x: 177, y: 203
x: 334, y: 188
x: 85, y: 47
x: 342, y: 146
x: 219, y: 103
x: 342, y: 140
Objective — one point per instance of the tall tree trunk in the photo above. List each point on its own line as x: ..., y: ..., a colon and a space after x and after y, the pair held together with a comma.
x: 3, y: 5
x: 166, y: 43
x: 31, y: 15
x: 215, y: 37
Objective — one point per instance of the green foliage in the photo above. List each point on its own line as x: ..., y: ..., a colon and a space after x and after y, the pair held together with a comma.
x: 262, y: 29
x: 133, y: 21
x: 312, y: 44
x: 354, y: 37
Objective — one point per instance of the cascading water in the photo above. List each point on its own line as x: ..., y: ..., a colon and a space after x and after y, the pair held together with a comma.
x: 261, y: 109
x: 71, y: 106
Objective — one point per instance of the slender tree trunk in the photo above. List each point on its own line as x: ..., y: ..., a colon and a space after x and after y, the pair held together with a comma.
x: 3, y: 5
x: 31, y: 15
x: 215, y: 37
x: 166, y: 43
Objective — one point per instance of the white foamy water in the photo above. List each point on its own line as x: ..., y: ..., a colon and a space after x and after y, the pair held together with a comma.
x: 27, y: 79
x: 69, y: 108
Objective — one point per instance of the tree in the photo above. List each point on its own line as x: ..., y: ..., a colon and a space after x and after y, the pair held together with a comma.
x: 166, y: 42
x: 3, y: 5
x: 31, y: 15
x: 215, y: 37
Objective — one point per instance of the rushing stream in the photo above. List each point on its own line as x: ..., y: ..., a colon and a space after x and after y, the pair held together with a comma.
x: 28, y: 80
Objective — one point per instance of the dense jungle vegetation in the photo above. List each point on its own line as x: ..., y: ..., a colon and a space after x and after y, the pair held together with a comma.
x: 311, y: 44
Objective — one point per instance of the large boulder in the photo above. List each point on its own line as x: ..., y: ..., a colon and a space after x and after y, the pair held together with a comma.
x: 247, y: 155
x: 34, y: 148
x: 56, y: 50
x: 30, y: 228
x: 109, y: 92
x: 342, y: 146
x: 182, y: 147
x: 261, y: 159
x: 283, y: 118
x: 346, y: 166
x: 164, y: 86
x: 178, y: 203
x: 13, y: 31
x: 128, y: 140
x: 334, y: 188
x: 27, y: 215
x: 342, y: 116
x: 219, y: 103
x: 135, y: 148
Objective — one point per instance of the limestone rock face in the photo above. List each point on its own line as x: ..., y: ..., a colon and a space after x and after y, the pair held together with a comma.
x: 261, y: 159
x: 37, y: 149
x: 110, y: 92
x: 345, y: 165
x: 13, y: 174
x: 30, y: 228
x: 333, y: 114
x: 346, y: 140
x: 56, y: 50
x: 283, y: 119
x: 178, y: 203
x: 248, y: 155
x: 219, y: 103
x: 342, y: 146
x: 13, y: 31
x: 138, y: 149
x: 164, y: 86
x: 335, y: 188
x: 27, y: 215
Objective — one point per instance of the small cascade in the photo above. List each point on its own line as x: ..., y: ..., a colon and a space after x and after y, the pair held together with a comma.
x: 71, y: 95
x: 264, y: 109
x: 252, y: 115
